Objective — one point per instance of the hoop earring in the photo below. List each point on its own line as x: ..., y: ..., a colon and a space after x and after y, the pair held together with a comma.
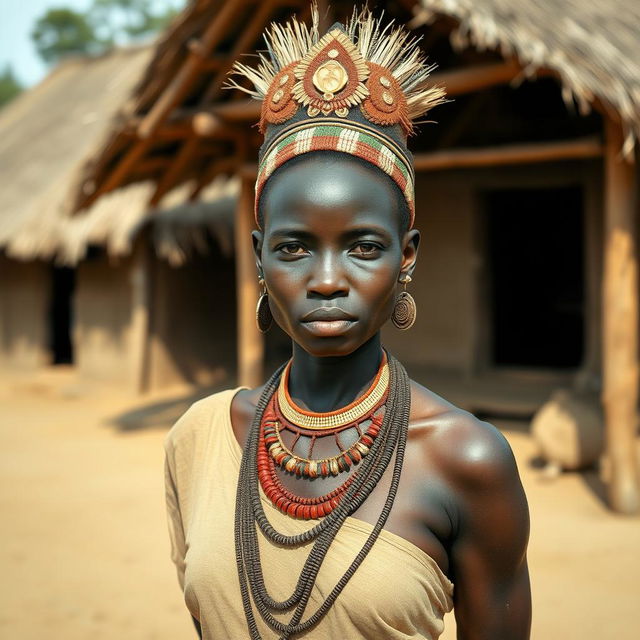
x: 405, y: 310
x: 264, y: 319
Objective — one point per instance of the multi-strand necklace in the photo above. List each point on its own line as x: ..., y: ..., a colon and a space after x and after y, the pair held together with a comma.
x: 361, y: 419
x: 389, y: 417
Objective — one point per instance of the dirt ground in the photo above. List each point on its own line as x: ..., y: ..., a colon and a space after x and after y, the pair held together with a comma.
x: 85, y: 554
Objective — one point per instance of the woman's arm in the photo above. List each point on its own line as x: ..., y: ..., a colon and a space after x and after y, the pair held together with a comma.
x: 492, y: 598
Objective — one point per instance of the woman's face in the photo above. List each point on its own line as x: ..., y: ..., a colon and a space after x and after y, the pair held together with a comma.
x: 331, y: 252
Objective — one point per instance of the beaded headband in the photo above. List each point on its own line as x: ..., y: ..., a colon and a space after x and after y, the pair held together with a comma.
x: 357, y: 90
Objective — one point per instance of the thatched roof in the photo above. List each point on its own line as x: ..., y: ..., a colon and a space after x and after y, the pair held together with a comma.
x: 46, y: 137
x: 47, y: 133
x: 594, y: 46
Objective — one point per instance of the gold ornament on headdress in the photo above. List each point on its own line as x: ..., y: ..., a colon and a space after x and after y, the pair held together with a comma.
x: 379, y: 69
x: 330, y: 76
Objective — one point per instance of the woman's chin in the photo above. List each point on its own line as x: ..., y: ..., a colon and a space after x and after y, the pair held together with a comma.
x: 328, y: 346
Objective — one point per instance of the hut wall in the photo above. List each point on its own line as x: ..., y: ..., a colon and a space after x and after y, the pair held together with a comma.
x: 24, y: 301
x: 451, y: 330
x: 102, y: 331
x: 193, y: 332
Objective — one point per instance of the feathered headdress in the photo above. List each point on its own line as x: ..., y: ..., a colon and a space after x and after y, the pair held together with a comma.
x: 358, y: 89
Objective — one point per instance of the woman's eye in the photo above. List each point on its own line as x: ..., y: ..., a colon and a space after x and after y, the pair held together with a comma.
x: 365, y: 249
x: 292, y: 249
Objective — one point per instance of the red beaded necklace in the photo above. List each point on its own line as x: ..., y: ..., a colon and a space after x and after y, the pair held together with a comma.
x: 364, y: 415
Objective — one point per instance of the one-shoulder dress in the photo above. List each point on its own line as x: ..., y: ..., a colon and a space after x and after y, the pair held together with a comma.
x: 398, y: 592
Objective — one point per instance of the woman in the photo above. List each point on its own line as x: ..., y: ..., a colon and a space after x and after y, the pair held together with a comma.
x: 341, y: 499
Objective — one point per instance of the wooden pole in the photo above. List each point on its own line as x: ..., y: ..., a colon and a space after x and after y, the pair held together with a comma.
x: 620, y: 325
x: 141, y: 303
x: 250, y: 346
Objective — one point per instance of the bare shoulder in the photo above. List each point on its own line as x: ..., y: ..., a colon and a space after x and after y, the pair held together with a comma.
x: 243, y: 409
x: 245, y: 402
x: 468, y: 451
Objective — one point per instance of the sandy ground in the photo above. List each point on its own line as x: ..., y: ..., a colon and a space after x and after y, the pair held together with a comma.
x: 83, y: 543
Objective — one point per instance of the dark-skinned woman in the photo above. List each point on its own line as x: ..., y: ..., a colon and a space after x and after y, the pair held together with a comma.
x: 342, y: 500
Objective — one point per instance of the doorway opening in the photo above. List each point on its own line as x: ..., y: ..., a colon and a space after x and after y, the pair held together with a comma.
x: 63, y: 280
x: 536, y: 276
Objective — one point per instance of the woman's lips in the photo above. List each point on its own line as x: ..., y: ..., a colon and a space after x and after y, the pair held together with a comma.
x: 328, y: 328
x: 328, y: 321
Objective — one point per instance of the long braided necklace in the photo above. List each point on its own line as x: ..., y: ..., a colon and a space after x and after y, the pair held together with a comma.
x: 250, y: 512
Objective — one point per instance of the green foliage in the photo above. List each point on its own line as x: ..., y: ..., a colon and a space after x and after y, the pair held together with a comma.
x: 10, y: 87
x: 62, y: 31
x: 131, y: 19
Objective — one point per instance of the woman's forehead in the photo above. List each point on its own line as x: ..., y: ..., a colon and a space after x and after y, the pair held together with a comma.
x: 324, y: 185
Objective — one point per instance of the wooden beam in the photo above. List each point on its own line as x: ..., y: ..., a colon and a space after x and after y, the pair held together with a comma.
x: 250, y: 345
x: 620, y: 324
x: 250, y: 33
x: 153, y: 164
x: 167, y: 100
x: 206, y: 63
x: 249, y: 170
x: 173, y: 174
x: 206, y: 125
x: 189, y: 70
x: 468, y: 80
x: 184, y: 122
x: 455, y: 82
x: 509, y: 154
x: 238, y: 111
x: 216, y: 167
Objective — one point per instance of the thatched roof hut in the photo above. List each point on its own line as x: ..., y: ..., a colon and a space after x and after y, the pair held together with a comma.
x: 49, y: 134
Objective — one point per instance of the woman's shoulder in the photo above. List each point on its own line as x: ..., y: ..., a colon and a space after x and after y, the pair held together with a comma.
x: 198, y: 419
x: 465, y: 448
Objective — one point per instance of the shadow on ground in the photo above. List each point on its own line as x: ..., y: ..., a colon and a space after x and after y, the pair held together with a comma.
x: 156, y: 414
x: 592, y: 479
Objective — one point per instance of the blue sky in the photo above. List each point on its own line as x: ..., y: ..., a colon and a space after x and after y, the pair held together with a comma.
x: 17, y: 18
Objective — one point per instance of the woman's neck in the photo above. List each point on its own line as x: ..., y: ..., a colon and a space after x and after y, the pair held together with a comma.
x: 328, y: 383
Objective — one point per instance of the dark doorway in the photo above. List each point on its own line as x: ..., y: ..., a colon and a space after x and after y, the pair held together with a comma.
x: 535, y: 244
x: 61, y: 314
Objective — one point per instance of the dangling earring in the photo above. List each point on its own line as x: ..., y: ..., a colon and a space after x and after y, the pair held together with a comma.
x: 264, y: 319
x: 405, y: 310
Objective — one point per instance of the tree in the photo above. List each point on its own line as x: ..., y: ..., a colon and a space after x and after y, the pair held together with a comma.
x: 10, y: 87
x: 61, y: 32
x: 131, y: 19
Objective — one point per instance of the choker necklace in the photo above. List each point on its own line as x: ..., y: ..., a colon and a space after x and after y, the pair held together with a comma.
x: 352, y: 413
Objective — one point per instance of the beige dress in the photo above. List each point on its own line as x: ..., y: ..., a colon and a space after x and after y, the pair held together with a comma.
x: 398, y: 591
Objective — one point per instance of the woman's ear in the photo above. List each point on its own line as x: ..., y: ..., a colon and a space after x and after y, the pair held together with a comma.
x: 257, y: 238
x: 410, y: 246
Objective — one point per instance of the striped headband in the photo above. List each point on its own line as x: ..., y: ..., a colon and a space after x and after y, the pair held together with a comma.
x: 343, y: 136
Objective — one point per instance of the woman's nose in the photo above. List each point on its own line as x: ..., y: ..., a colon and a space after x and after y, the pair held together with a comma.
x: 328, y: 279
